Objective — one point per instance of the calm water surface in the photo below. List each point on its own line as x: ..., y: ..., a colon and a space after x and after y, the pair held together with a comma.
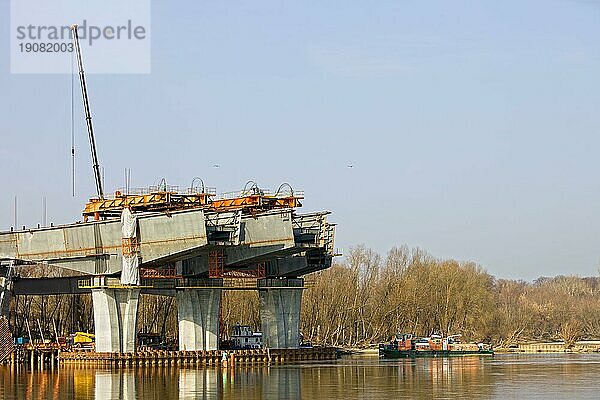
x: 503, y: 376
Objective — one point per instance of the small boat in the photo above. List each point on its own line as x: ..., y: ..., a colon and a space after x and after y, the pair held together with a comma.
x: 404, y: 345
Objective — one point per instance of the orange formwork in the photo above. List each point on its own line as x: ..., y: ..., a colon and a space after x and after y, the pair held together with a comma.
x: 167, y: 200
x: 155, y: 201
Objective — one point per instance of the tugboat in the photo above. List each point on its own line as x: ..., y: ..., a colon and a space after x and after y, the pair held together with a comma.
x: 404, y: 345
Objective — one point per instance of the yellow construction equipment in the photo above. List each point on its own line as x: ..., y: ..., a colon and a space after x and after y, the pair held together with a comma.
x: 83, y: 338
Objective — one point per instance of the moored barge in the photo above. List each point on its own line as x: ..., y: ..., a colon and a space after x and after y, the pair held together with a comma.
x: 404, y: 345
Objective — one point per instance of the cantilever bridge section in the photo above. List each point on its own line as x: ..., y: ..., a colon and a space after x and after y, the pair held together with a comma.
x: 190, y: 249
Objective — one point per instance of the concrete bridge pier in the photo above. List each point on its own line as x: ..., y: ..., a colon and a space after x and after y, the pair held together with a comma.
x: 115, y: 317
x: 280, y: 317
x: 198, y: 313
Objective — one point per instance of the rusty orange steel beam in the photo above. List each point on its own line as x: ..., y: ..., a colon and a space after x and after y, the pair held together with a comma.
x: 161, y: 201
x: 172, y: 201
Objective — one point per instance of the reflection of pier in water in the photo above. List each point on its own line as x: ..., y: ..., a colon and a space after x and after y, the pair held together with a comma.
x: 347, y: 378
x: 512, y: 376
x: 151, y: 382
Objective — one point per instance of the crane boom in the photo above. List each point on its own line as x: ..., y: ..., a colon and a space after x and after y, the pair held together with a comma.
x: 88, y: 115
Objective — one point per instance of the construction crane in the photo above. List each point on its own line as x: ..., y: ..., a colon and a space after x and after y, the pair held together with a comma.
x: 88, y: 115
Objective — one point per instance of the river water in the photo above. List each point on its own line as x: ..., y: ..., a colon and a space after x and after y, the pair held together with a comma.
x: 541, y: 376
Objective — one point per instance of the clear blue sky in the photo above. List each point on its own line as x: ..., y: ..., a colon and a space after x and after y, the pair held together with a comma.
x: 473, y: 126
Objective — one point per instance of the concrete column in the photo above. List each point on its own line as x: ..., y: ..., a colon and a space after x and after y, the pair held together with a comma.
x: 115, y: 317
x: 198, y: 312
x: 280, y: 317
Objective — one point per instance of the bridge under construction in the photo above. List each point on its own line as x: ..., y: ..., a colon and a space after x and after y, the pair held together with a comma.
x: 191, y: 244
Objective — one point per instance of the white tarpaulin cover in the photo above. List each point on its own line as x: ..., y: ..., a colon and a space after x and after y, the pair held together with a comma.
x: 130, y: 275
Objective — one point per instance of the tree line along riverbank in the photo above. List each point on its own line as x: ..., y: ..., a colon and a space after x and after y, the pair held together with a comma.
x: 366, y: 297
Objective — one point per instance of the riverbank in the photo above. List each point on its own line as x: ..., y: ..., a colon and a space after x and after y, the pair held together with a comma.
x: 367, y: 351
x: 583, y: 346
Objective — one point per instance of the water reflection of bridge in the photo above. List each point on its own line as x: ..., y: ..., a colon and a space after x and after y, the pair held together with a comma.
x: 347, y: 378
x: 152, y: 383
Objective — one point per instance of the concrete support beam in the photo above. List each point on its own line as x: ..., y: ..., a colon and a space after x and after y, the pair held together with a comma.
x: 115, y: 317
x: 198, y: 312
x: 262, y: 237
x: 96, y: 247
x: 280, y: 317
x: 49, y: 286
